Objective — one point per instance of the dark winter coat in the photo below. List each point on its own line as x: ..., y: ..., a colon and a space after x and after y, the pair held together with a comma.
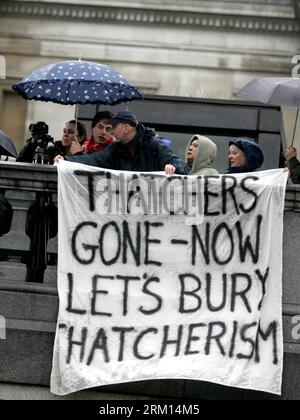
x: 144, y: 153
x: 294, y: 167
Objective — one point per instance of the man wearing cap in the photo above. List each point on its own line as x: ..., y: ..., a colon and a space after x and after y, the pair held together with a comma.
x: 135, y: 149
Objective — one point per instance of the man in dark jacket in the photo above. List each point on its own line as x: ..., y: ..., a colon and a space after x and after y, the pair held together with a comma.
x: 293, y: 164
x: 135, y: 149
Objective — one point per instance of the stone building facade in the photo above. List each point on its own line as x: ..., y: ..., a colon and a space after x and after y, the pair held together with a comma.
x: 195, y: 48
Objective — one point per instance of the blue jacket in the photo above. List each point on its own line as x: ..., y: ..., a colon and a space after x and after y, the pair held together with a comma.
x: 254, y: 156
x: 144, y: 153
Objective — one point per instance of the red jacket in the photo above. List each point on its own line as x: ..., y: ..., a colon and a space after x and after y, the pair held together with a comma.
x: 89, y: 146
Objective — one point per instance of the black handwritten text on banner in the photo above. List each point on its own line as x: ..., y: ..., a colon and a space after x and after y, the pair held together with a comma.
x: 169, y: 281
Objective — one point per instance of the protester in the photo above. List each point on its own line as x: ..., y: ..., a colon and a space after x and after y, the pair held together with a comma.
x: 135, y: 149
x: 244, y: 156
x: 293, y: 164
x: 200, y: 154
x: 71, y: 143
x: 101, y: 133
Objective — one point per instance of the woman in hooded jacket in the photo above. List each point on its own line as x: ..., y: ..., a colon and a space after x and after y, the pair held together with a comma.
x: 200, y: 154
x: 244, y: 156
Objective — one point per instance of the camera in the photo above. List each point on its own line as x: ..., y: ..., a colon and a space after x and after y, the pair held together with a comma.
x: 39, y: 129
x: 45, y: 143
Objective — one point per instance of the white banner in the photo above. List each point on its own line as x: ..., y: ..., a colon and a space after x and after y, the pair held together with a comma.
x: 169, y: 277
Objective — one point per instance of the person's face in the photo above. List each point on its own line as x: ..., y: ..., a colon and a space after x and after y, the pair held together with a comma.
x: 236, y: 156
x: 68, y: 135
x: 102, y: 132
x: 192, y: 151
x: 119, y: 131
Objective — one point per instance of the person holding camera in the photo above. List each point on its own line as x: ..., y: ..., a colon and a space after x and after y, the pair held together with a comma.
x: 39, y: 137
x: 41, y: 148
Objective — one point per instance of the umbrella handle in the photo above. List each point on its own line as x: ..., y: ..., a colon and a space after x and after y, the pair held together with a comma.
x: 295, y: 126
x: 76, y: 119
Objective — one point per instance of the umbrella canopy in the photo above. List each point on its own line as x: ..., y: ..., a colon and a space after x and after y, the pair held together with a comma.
x: 7, y: 147
x: 77, y: 82
x: 273, y: 90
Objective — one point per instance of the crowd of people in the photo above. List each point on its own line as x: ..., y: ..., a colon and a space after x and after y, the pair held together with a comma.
x: 134, y: 147
x: 120, y: 142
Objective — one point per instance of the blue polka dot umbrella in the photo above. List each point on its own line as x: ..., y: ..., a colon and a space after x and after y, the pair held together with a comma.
x: 77, y: 82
